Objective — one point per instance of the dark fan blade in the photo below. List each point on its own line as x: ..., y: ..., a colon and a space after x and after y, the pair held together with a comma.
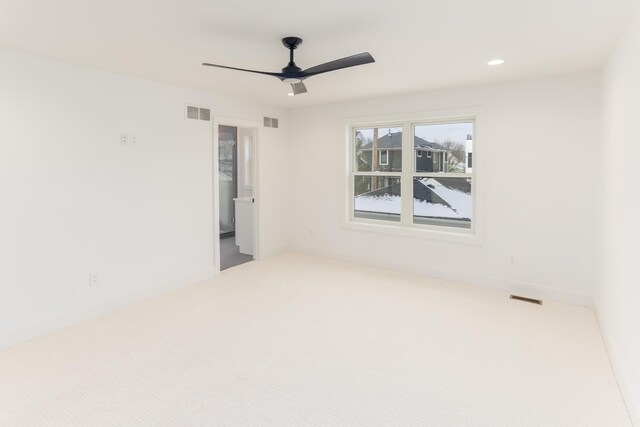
x: 298, y: 88
x: 338, y: 64
x: 278, y: 75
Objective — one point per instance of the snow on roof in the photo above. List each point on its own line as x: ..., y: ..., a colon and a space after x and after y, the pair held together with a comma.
x: 459, y: 204
x: 379, y: 204
x: 462, y: 202
x: 391, y: 205
x: 225, y: 176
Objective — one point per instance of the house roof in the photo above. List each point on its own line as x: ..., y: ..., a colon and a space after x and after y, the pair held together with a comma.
x: 437, y: 198
x: 455, y: 192
x: 394, y: 140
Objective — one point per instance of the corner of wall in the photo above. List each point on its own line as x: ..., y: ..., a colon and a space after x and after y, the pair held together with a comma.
x: 617, y: 295
x: 628, y: 396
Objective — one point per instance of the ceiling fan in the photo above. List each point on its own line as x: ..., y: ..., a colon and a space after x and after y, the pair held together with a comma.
x: 294, y: 75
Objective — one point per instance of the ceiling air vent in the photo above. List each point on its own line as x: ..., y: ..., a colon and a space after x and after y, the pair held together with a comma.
x: 270, y: 122
x: 198, y: 113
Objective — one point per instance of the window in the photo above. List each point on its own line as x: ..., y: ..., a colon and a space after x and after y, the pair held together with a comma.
x: 384, y: 157
x: 438, y: 186
x: 376, y: 173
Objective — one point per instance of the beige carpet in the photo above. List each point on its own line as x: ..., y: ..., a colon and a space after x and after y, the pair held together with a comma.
x: 302, y: 341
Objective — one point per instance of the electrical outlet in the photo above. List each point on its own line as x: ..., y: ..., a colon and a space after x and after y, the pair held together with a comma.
x: 132, y: 139
x: 124, y: 139
x: 513, y: 261
x: 93, y: 280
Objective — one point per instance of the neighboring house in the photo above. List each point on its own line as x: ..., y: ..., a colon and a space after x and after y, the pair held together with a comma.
x: 430, y: 156
x: 468, y: 151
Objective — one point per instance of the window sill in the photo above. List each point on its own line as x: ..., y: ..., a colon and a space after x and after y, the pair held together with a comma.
x: 462, y: 236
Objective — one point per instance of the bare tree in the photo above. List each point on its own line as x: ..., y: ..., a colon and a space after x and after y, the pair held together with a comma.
x: 457, y: 154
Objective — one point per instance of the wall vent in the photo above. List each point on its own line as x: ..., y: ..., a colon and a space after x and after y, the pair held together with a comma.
x: 192, y: 112
x: 205, y: 114
x: 525, y: 299
x: 270, y: 122
x: 198, y: 113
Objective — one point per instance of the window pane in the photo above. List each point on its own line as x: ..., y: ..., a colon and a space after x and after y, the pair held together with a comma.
x: 378, y: 149
x: 377, y: 197
x: 442, y: 201
x: 443, y: 148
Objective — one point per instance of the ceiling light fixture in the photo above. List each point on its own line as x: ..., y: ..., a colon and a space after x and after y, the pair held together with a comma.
x: 291, y: 94
x: 291, y: 81
x: 496, y: 62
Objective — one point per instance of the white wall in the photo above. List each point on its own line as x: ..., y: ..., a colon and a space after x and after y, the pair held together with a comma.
x: 539, y: 137
x: 618, y: 299
x: 74, y: 202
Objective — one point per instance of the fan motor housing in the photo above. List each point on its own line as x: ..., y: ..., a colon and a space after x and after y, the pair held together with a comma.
x: 291, y: 42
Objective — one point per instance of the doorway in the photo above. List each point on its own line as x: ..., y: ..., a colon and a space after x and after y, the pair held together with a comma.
x: 236, y: 201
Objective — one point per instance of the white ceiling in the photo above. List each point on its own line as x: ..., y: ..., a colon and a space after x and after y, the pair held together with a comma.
x: 418, y: 45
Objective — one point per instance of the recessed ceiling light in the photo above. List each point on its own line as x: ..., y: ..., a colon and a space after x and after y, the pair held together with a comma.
x: 496, y: 62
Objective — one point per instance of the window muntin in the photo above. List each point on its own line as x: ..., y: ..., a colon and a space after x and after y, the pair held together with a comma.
x: 441, y: 190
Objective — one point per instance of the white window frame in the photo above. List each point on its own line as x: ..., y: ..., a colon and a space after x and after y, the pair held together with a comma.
x: 418, y: 153
x: 429, y: 154
x: 406, y: 227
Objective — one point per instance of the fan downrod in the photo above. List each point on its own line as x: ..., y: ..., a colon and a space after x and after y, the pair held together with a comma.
x: 291, y: 70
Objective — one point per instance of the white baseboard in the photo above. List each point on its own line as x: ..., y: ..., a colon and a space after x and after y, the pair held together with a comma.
x: 630, y: 399
x: 268, y: 253
x: 63, y: 320
x: 531, y: 290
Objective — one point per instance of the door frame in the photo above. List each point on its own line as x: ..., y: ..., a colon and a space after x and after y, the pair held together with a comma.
x: 256, y: 128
